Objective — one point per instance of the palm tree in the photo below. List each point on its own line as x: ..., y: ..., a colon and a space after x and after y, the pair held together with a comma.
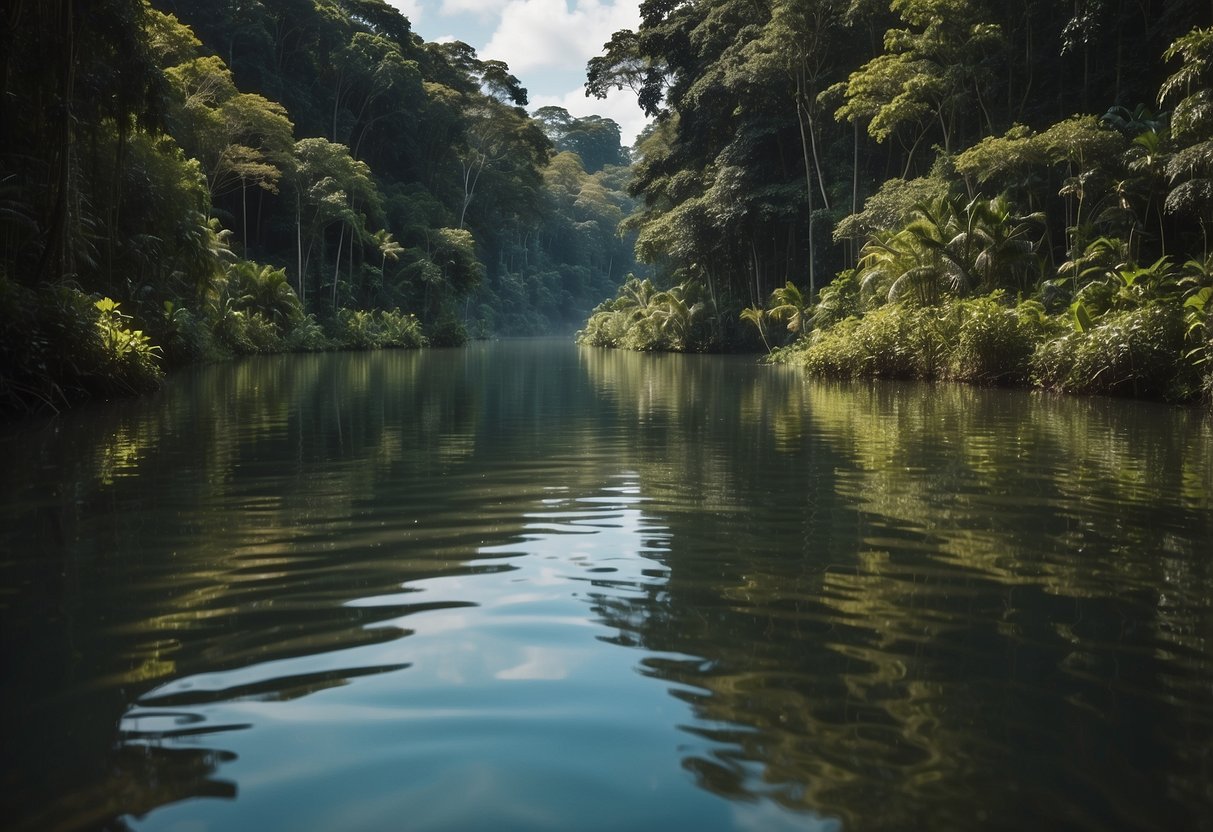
x: 1002, y: 244
x: 921, y: 261
x: 262, y: 289
x: 635, y: 298
x: 757, y: 316
x: 790, y: 306
x: 1190, y: 169
x: 387, y: 246
x: 675, y: 317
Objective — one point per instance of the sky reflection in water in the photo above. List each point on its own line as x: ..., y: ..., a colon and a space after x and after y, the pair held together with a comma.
x: 525, y: 586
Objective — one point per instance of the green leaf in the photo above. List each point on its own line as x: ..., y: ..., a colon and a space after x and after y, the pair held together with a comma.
x: 1200, y: 300
x: 1082, y: 317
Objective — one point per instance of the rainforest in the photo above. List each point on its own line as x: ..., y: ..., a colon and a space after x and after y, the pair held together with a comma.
x: 822, y: 447
x: 999, y: 193
x: 184, y: 181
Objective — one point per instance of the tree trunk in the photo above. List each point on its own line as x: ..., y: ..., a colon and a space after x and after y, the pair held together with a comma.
x: 54, y: 253
x: 337, y: 265
x: 299, y: 244
x: 801, y: 115
x: 855, y: 182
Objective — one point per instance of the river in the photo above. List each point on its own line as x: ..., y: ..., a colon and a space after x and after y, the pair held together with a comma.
x: 531, y: 586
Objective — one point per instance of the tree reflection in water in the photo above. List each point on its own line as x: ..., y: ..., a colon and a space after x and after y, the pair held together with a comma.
x: 997, y: 611
x: 899, y: 606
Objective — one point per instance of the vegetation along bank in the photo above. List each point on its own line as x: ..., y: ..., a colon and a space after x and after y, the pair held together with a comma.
x: 1001, y: 193
x: 1014, y: 192
x: 182, y: 180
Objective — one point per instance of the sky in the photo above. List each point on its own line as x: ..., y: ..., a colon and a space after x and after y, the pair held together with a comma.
x: 545, y: 42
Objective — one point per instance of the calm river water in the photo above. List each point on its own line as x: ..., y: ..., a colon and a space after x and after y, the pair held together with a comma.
x: 527, y: 586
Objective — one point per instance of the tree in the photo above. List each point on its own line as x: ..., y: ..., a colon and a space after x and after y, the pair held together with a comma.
x: 241, y: 139
x: 927, y: 75
x: 797, y: 40
x: 374, y: 81
x: 1190, y: 169
x: 594, y: 139
x: 331, y: 188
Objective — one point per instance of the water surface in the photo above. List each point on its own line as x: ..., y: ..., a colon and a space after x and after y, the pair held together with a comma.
x: 530, y: 586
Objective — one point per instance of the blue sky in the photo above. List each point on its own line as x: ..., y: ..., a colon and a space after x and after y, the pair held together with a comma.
x: 545, y: 42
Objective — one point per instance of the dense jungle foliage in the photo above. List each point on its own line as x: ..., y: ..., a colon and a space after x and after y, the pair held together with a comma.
x: 186, y: 179
x: 1001, y: 192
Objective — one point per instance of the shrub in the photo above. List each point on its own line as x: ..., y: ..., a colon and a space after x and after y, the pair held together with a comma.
x: 357, y: 330
x: 398, y: 329
x: 58, y: 345
x: 643, y: 335
x: 641, y: 317
x: 837, y: 301
x: 1134, y: 353
x: 884, y: 343
x: 127, y: 356
x: 833, y: 352
x: 360, y: 329
x: 247, y: 332
x: 187, y: 339
x: 994, y: 343
x: 307, y: 336
x: 448, y: 331
x: 892, y: 341
x: 262, y: 333
x: 604, y: 328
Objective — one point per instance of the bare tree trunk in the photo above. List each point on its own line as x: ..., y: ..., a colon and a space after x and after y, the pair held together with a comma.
x: 299, y: 248
x: 55, y: 251
x: 244, y: 213
x: 801, y: 116
x: 337, y: 265
x: 855, y: 183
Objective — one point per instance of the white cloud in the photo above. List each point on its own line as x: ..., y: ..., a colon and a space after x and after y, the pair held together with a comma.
x: 547, y: 34
x: 620, y: 106
x: 546, y: 44
x: 410, y: 9
x: 482, y: 9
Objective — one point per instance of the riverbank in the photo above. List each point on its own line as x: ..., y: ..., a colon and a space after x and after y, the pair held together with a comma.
x: 61, y: 346
x: 1149, y: 338
x: 1158, y: 350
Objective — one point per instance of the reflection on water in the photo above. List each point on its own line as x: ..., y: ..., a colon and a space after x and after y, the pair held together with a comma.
x: 530, y: 586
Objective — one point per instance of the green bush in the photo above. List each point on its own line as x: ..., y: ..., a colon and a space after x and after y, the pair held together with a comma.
x: 186, y: 338
x: 127, y: 355
x: 642, y: 335
x: 307, y: 336
x: 831, y: 353
x: 1135, y: 353
x: 641, y: 317
x: 247, y: 332
x: 58, y: 345
x: 837, y: 301
x: 448, y: 331
x: 994, y: 343
x: 358, y: 330
x: 605, y: 328
x: 262, y: 333
x: 368, y: 330
x: 885, y: 343
x: 979, y: 340
x: 402, y: 330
